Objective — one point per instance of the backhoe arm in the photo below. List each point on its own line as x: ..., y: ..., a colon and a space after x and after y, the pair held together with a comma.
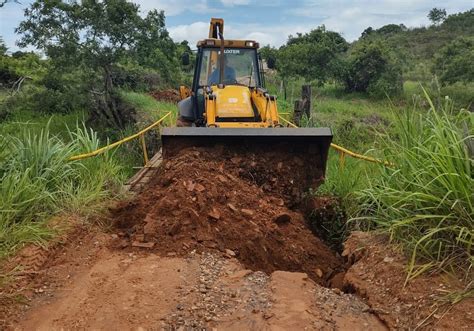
x: 217, y: 25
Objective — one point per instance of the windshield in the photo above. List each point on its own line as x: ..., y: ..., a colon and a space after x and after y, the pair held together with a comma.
x: 240, y: 67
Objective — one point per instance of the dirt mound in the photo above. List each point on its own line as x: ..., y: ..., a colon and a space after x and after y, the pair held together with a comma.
x: 166, y: 95
x: 205, y: 200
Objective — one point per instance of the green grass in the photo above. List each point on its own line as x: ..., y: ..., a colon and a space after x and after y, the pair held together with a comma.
x: 355, y: 119
x: 426, y: 201
x: 462, y: 94
x: 150, y: 109
x: 37, y: 181
x: 34, y: 122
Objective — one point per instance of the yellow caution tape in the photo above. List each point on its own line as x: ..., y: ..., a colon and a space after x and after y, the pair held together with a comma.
x: 120, y: 142
x: 140, y: 134
x: 344, y: 151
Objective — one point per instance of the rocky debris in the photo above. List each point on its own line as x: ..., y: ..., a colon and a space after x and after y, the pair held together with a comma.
x: 343, y: 308
x: 259, y: 297
x: 247, y: 212
x: 213, y: 297
x: 143, y: 244
x: 214, y: 214
x: 319, y: 273
x: 232, y: 207
x: 229, y: 253
x: 217, y: 200
x: 282, y: 218
x: 229, y: 297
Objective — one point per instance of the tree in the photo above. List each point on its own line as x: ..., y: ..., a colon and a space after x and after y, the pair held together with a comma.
x: 437, y: 15
x: 367, y: 32
x: 455, y: 62
x: 372, y: 68
x: 4, y: 2
x: 391, y: 29
x: 186, y: 55
x: 96, y: 36
x: 313, y: 56
x: 320, y: 35
x: 3, y: 47
x: 269, y: 54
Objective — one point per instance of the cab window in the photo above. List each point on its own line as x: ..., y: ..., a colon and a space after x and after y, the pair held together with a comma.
x: 240, y: 67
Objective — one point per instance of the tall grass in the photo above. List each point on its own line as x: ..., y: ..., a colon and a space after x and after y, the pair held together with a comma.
x: 37, y: 181
x: 149, y: 107
x: 426, y: 202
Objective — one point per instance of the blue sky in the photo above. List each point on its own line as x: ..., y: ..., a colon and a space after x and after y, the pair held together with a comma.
x: 269, y: 22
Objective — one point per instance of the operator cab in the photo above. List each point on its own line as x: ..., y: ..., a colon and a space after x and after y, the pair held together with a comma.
x: 242, y: 67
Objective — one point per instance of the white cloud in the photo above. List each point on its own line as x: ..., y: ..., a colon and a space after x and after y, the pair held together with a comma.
x: 191, y: 32
x: 176, y: 7
x: 351, y: 17
x: 273, y: 35
x: 230, y: 3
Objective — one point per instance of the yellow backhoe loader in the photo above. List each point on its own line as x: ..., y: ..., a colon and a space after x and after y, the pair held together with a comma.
x: 229, y: 105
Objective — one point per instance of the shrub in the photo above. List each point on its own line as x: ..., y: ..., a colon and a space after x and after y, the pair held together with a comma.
x: 136, y: 78
x: 454, y: 62
x: 53, y: 101
x: 372, y: 68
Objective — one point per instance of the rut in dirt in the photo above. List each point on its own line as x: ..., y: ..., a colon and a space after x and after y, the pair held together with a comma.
x: 240, y: 203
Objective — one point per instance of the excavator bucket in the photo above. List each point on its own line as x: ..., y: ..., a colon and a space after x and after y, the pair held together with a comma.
x: 265, y: 152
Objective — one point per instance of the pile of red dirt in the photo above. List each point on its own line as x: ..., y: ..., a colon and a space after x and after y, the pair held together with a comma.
x: 209, y: 199
x: 166, y: 95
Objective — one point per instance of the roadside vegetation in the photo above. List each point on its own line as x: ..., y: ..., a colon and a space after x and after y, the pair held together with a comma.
x: 38, y: 181
x: 425, y: 201
x: 397, y: 93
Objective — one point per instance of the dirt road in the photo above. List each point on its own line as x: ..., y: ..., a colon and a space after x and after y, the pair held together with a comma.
x: 89, y: 286
x: 209, y: 244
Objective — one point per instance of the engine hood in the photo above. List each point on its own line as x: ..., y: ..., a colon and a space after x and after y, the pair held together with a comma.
x: 233, y: 101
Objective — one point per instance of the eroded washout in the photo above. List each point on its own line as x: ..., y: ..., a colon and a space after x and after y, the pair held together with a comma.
x: 233, y: 203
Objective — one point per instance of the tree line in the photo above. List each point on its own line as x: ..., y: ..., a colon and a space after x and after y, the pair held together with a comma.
x: 377, y: 62
x: 92, y: 49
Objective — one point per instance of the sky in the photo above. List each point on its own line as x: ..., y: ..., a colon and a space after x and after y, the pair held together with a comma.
x: 268, y: 21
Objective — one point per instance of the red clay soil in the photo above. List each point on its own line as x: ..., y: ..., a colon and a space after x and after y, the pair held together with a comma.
x: 166, y: 95
x: 85, y: 285
x: 219, y: 201
x: 378, y: 275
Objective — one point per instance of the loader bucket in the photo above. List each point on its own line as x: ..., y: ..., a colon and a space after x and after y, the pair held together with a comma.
x: 295, y: 158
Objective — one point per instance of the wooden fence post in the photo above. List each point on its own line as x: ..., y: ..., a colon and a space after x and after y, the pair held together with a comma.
x: 306, y: 96
x: 298, y: 112
x: 303, y: 106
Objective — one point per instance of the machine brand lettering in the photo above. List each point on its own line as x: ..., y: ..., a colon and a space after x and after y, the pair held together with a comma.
x: 231, y: 51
